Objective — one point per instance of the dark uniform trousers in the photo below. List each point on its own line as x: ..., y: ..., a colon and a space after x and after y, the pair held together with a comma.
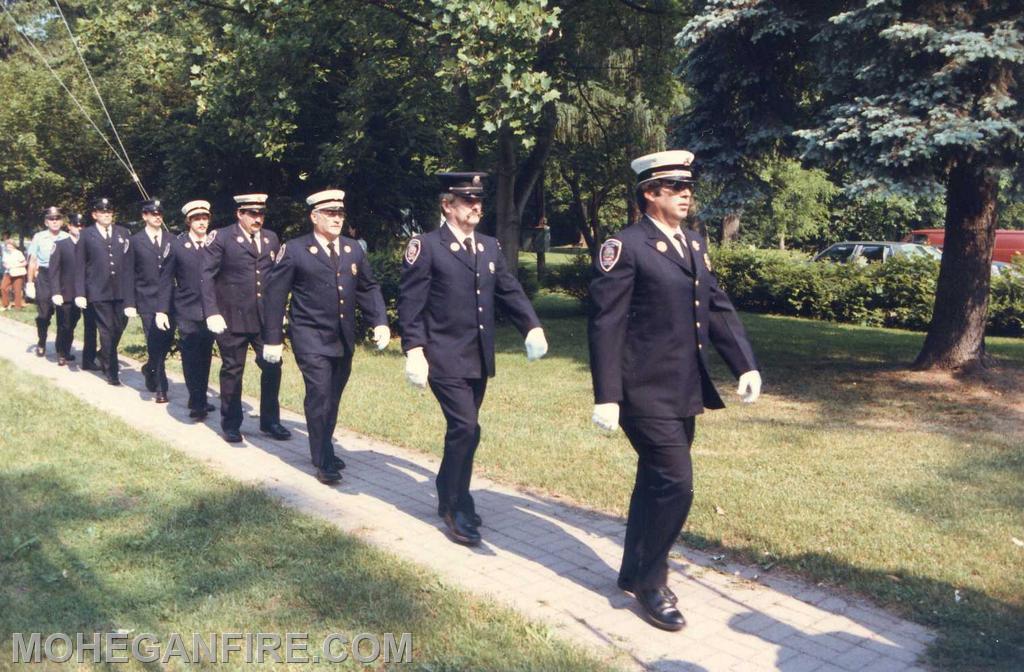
x: 110, y: 323
x: 89, y: 334
x: 233, y: 351
x: 325, y: 379
x: 196, y: 345
x: 460, y: 400
x: 44, y: 304
x: 158, y: 344
x: 662, y: 496
x: 68, y: 315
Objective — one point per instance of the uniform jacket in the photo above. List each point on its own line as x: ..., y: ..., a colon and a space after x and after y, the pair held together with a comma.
x: 100, y: 263
x: 655, y: 315
x: 147, y: 280
x: 184, y: 268
x: 322, y: 313
x: 447, y: 299
x: 62, y: 269
x: 234, y: 275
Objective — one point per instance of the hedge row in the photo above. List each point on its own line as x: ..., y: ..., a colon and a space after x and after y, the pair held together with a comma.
x: 898, y: 293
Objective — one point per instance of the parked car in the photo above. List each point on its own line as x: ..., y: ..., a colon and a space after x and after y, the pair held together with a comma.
x: 866, y: 252
x: 1009, y: 243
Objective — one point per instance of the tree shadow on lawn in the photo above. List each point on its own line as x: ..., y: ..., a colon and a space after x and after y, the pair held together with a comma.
x: 165, y: 577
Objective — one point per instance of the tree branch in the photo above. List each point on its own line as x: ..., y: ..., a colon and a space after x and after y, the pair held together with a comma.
x: 389, y: 6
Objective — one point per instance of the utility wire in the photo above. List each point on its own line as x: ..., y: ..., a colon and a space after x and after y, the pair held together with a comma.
x: 95, y: 88
x: 74, y: 99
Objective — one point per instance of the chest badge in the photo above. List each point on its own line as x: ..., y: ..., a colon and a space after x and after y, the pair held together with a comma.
x: 455, y: 247
x: 662, y: 247
x: 266, y: 241
x: 696, y: 245
x: 490, y: 266
x: 355, y: 269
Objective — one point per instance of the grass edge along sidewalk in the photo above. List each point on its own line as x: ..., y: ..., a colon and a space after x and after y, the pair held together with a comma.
x: 105, y: 529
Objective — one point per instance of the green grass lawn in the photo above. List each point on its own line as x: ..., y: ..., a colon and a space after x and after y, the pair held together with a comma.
x: 851, y: 471
x: 103, y: 528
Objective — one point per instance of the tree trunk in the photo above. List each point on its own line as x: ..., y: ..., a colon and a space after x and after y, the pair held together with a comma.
x: 956, y: 336
x: 542, y: 222
x: 507, y: 225
x: 730, y: 228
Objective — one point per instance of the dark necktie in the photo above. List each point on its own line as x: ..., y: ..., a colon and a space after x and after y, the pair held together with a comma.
x: 468, y: 244
x: 252, y: 239
x: 334, y: 254
x: 156, y: 242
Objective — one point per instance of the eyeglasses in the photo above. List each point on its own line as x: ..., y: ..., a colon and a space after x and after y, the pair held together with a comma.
x: 676, y: 185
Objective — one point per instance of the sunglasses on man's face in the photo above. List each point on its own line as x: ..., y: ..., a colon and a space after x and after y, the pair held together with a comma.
x: 677, y: 185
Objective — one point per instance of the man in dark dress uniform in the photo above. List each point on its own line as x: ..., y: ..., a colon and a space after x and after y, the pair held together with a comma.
x: 657, y: 308
x: 147, y: 284
x: 451, y: 280
x: 62, y: 280
x: 185, y: 303
x: 39, y: 287
x: 236, y: 261
x: 99, y: 269
x: 327, y: 276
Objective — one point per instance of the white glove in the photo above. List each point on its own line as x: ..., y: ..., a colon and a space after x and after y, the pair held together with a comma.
x: 272, y: 353
x: 30, y: 290
x: 416, y: 368
x: 381, y: 336
x: 81, y: 302
x: 130, y: 312
x: 536, y: 344
x: 750, y: 386
x: 58, y: 299
x: 606, y: 416
x: 163, y: 323
x: 216, y: 324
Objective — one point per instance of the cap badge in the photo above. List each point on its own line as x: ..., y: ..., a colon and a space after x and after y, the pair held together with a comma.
x: 476, y: 180
x: 662, y: 247
x: 609, y: 254
x: 412, y: 252
x: 312, y: 249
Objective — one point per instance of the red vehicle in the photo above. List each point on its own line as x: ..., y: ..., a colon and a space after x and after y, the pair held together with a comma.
x: 1009, y: 243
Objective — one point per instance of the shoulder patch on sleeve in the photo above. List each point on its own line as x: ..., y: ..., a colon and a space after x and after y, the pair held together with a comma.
x: 412, y: 252
x: 611, y: 249
x: 211, y: 236
x: 280, y: 253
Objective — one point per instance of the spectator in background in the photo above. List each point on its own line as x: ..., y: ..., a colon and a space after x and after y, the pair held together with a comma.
x: 352, y: 232
x: 15, y: 269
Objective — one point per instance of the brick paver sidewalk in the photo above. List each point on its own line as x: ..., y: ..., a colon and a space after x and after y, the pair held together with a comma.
x: 552, y: 562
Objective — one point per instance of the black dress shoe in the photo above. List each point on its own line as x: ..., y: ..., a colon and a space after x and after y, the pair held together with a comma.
x: 337, y: 463
x: 276, y: 431
x: 197, y: 414
x: 40, y: 351
x: 115, y: 381
x: 232, y: 436
x: 328, y: 476
x: 627, y: 586
x: 477, y: 521
x: 461, y: 529
x: 659, y: 610
x: 210, y: 408
x: 161, y: 397
x: 150, y: 378
x: 61, y: 361
x: 69, y: 357
x: 89, y: 366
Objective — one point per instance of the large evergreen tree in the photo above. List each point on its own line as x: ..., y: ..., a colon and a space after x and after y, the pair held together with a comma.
x: 901, y: 96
